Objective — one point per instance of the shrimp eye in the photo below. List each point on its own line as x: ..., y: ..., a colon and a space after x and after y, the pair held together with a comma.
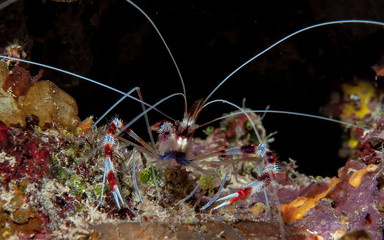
x: 270, y: 157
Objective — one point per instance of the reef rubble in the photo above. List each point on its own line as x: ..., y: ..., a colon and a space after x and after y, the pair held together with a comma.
x: 52, y: 171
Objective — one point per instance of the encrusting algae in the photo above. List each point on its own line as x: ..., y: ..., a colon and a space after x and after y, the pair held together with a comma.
x: 299, y: 207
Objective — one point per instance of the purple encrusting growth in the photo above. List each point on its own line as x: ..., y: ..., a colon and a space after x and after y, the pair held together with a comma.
x: 344, y: 209
x: 320, y: 221
x: 359, y: 205
x: 40, y: 178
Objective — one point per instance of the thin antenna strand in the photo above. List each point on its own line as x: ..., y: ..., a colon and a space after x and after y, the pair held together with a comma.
x: 92, y: 81
x: 287, y: 37
x: 168, y: 49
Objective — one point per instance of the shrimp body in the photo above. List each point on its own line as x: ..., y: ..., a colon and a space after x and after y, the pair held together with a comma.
x: 173, y: 143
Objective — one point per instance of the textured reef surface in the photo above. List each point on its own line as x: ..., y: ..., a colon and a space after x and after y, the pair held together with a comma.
x: 51, y: 170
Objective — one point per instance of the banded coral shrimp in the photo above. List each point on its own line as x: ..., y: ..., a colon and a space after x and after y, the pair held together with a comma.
x: 242, y: 90
x: 252, y: 28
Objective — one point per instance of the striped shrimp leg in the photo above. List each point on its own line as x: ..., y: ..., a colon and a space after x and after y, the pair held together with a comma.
x: 269, y: 172
x: 249, y: 149
x: 247, y: 152
x: 108, y: 142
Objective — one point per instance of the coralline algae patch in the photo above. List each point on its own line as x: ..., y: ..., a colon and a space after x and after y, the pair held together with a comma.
x: 370, y: 149
x: 347, y: 204
x: 45, y: 189
x: 41, y: 176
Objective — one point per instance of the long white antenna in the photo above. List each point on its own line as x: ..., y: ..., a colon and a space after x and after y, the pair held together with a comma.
x: 287, y: 37
x: 168, y: 49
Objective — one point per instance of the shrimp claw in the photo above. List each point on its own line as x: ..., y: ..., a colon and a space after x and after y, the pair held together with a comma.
x: 269, y: 172
x: 241, y: 194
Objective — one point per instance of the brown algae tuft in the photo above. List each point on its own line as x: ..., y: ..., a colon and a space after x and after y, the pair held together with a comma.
x: 22, y: 96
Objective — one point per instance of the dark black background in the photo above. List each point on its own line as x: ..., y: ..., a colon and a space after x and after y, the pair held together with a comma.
x: 111, y: 42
